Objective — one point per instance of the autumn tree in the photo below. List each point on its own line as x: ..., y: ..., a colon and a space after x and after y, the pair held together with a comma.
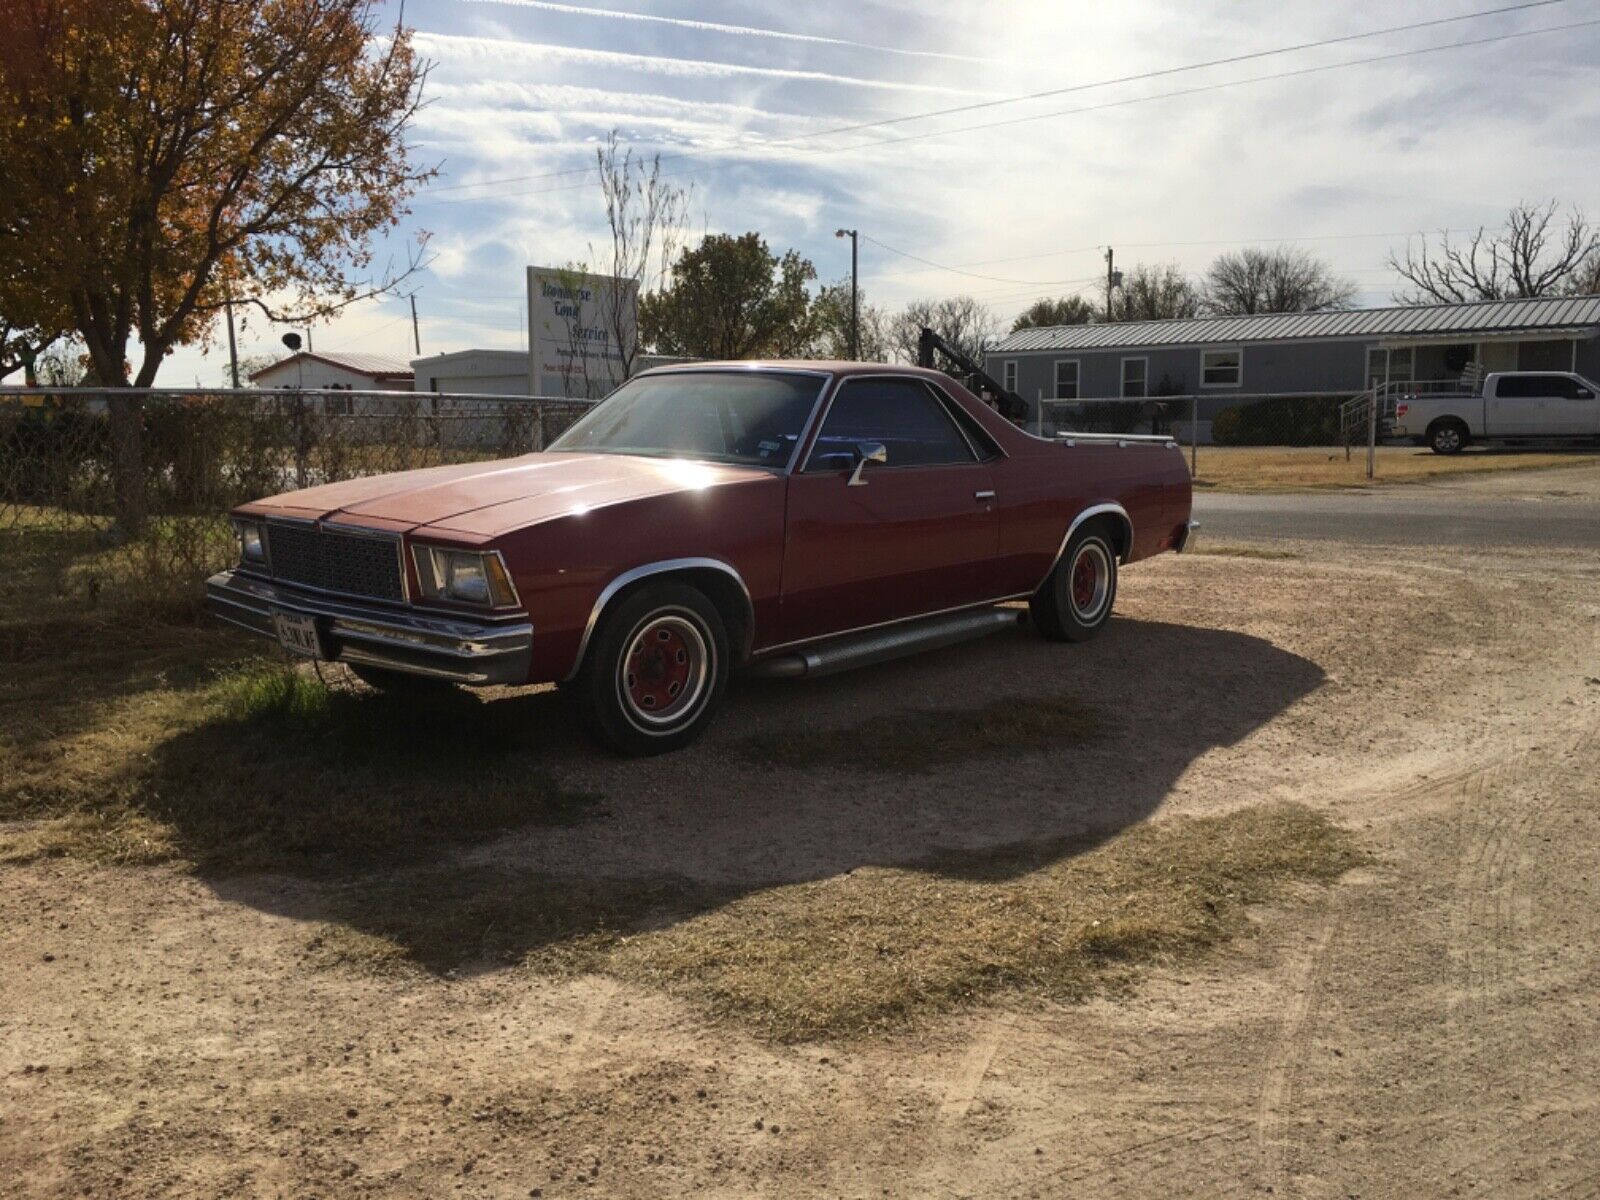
x: 1281, y: 280
x: 961, y: 321
x: 730, y: 298
x: 160, y: 156
x: 1536, y: 252
x: 831, y: 317
x: 1046, y: 313
x: 1154, y: 293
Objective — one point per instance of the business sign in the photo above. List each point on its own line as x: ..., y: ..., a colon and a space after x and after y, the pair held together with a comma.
x: 582, y: 329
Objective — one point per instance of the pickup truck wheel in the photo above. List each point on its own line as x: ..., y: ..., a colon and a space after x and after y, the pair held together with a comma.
x: 1075, y: 602
x: 399, y: 683
x: 656, y: 672
x: 1447, y: 437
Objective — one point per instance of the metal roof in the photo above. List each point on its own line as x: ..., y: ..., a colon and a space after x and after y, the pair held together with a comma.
x: 1552, y: 314
x: 376, y: 365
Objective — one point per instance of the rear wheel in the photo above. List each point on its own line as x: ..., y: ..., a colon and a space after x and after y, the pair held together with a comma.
x: 656, y: 672
x: 1075, y: 602
x: 1447, y: 437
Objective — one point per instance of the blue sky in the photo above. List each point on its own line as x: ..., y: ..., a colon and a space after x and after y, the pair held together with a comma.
x: 741, y: 96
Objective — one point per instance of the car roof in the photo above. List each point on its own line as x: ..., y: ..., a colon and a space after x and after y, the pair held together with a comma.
x: 831, y: 366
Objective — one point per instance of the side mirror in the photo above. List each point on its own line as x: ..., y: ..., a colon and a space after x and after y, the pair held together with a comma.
x: 867, y: 452
x: 1585, y: 394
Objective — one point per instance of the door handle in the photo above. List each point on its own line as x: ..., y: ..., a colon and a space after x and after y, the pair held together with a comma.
x: 983, y: 495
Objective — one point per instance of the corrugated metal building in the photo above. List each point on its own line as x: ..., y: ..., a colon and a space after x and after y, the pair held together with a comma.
x: 1226, y: 359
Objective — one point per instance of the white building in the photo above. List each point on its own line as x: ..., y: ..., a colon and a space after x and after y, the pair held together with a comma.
x: 352, y: 372
x: 475, y: 372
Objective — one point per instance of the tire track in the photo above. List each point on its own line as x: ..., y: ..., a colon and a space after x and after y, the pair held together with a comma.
x: 1307, y: 975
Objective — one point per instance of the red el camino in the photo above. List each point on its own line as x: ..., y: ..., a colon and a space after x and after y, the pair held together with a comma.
x: 789, y: 518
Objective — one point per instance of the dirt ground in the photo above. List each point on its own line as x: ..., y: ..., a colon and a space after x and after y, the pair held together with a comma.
x: 1321, y: 468
x: 1428, y: 1026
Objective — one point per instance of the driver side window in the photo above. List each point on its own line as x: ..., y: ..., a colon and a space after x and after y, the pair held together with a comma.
x: 902, y: 414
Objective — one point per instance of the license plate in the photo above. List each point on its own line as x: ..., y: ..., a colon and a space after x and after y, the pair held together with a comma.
x: 297, y: 634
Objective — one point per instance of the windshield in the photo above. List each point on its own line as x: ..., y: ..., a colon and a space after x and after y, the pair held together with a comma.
x: 753, y: 417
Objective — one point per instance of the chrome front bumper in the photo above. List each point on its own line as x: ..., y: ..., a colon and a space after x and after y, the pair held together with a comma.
x: 441, y: 646
x: 1186, y: 536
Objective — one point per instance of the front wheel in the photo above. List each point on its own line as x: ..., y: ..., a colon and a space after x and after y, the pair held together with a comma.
x: 1075, y: 602
x: 656, y: 672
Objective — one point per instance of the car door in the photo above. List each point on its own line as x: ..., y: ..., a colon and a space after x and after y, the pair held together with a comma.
x: 873, y: 542
x: 1568, y: 409
x: 1513, y: 409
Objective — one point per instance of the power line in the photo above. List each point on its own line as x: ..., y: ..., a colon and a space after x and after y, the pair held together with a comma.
x: 970, y: 274
x: 1110, y: 104
x: 1061, y: 91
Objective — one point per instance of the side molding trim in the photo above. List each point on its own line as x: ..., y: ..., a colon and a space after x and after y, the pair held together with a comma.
x: 1094, y: 510
x: 664, y: 567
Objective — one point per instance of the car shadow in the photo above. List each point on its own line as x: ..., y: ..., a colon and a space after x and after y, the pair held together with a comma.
x: 429, y: 825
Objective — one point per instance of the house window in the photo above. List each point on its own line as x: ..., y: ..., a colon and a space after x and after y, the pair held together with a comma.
x: 1221, y: 368
x: 1067, y: 379
x: 1134, y: 371
x: 337, y: 406
x: 1009, y: 374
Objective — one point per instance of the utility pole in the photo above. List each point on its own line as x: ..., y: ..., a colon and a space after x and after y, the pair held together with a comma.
x: 855, y: 305
x: 233, y: 346
x: 416, y: 333
x: 1111, y: 280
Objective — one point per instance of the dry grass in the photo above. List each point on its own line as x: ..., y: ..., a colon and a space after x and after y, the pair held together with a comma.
x: 1224, y: 550
x: 1252, y: 469
x: 193, y: 749
x: 924, y: 740
x: 872, y: 949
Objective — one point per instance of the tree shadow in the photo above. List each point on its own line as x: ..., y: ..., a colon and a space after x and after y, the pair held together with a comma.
x: 475, y: 831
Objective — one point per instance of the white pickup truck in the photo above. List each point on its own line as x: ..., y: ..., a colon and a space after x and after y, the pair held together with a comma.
x: 1513, y: 405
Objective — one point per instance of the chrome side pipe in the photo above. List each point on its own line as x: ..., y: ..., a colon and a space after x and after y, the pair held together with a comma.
x: 883, y: 645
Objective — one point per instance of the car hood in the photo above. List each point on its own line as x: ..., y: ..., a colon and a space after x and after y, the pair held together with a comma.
x: 487, y: 498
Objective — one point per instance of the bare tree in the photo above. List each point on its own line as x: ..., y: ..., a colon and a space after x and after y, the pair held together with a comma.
x: 1068, y: 310
x: 647, y: 218
x: 1533, y: 254
x: 1157, y: 293
x: 1281, y: 280
x: 966, y: 323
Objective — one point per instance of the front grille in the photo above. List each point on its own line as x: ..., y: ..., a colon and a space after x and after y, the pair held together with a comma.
x: 335, y: 561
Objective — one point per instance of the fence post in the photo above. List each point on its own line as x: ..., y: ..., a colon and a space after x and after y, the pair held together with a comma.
x: 1194, y: 436
x: 302, y: 440
x: 1372, y: 434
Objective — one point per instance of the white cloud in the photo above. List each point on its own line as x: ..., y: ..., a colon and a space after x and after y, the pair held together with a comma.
x: 464, y: 48
x: 1344, y: 159
x: 736, y: 30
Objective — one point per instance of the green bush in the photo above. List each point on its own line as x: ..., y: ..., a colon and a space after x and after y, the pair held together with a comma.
x: 1280, y: 421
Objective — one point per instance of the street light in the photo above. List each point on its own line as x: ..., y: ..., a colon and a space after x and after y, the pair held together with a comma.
x: 855, y: 309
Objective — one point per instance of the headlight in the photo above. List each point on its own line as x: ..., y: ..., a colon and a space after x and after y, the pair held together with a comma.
x: 252, y: 549
x: 465, y: 576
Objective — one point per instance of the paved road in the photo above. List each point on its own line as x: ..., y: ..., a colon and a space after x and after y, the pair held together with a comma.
x: 1408, y: 516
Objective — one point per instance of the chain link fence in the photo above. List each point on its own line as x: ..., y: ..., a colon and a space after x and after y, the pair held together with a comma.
x: 1230, y: 430
x: 65, y: 502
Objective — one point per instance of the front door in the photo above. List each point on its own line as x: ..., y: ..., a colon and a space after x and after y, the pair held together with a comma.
x: 917, y: 533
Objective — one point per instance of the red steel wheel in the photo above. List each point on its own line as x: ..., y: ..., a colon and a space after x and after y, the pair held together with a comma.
x: 1090, y: 579
x: 664, y: 671
x: 1074, y: 603
x: 656, y: 671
